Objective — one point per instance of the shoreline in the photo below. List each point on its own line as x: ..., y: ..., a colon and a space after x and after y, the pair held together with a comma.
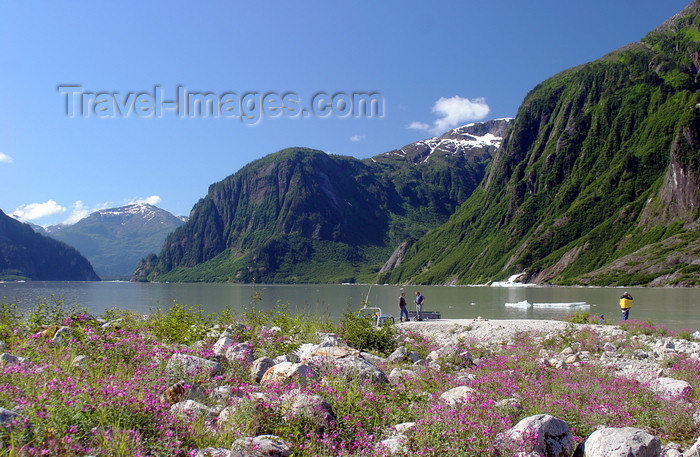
x: 501, y: 329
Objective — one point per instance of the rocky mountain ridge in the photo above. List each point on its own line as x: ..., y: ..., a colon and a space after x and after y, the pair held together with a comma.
x: 116, y: 239
x: 301, y: 215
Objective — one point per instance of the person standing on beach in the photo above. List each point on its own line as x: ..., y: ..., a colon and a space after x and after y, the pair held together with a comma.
x: 402, y: 307
x: 419, y: 306
x: 625, y: 305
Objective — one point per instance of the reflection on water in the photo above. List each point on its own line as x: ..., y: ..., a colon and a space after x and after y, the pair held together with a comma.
x: 676, y: 308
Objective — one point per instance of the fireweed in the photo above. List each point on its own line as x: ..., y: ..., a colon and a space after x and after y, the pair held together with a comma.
x: 112, y: 404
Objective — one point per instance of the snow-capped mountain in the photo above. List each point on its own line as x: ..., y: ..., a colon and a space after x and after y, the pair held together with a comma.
x: 471, y: 140
x: 116, y: 239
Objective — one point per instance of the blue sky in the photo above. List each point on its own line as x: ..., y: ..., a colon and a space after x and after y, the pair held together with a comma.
x: 435, y: 64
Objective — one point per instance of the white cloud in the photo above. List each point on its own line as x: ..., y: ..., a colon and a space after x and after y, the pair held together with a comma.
x: 356, y: 138
x: 5, y: 158
x: 78, y: 212
x: 34, y: 211
x: 152, y: 200
x: 452, y: 112
x: 416, y: 125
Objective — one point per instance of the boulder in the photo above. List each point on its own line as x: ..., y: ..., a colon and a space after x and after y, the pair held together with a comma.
x: 61, y: 335
x: 694, y: 450
x: 261, y: 446
x: 79, y: 361
x: 451, y: 354
x: 304, y: 351
x: 458, y: 394
x: 260, y: 366
x: 374, y: 359
x: 288, y: 371
x: 222, y: 344
x: 543, y: 434
x: 572, y: 359
x: 413, y: 357
x: 181, y: 391
x: 393, y: 446
x: 10, y: 359
x: 397, y: 374
x: 620, y: 442
x: 186, y: 366
x: 293, y: 357
x: 670, y: 388
x: 9, y: 418
x: 240, y: 353
x: 222, y: 394
x: 312, y: 408
x: 404, y: 427
x: 115, y: 324
x: 349, y: 362
x: 335, y: 352
x: 398, y: 356
x: 609, y: 347
x: 360, y: 369
x: 509, y: 406
x: 192, y: 410
x: 328, y: 339
x: 466, y: 377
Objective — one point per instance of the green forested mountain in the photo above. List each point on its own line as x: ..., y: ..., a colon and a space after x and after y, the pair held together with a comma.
x: 301, y: 215
x: 597, y: 180
x: 25, y: 254
x: 116, y: 239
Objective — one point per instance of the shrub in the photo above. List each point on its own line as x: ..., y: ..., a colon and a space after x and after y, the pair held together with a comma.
x: 362, y: 335
x: 180, y: 323
x: 52, y: 312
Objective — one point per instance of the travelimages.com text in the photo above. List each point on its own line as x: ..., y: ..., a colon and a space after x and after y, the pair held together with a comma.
x: 249, y: 107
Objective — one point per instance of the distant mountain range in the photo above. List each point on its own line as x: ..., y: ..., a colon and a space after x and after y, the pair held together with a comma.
x: 27, y: 255
x: 301, y: 215
x: 116, y: 239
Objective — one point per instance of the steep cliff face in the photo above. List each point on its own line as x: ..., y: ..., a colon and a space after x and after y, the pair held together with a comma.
x: 25, y: 254
x: 600, y: 162
x: 301, y: 215
x: 299, y: 192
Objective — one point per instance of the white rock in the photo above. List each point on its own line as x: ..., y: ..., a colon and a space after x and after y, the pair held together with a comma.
x: 222, y: 344
x: 457, y: 394
x: 621, y: 442
x: 286, y: 371
x: 694, y: 450
x: 191, y: 409
x: 671, y: 388
x: 263, y: 445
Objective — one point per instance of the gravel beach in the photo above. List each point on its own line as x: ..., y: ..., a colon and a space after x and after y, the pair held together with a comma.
x: 494, y: 329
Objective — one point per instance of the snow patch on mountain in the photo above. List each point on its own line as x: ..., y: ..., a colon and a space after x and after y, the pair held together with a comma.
x: 465, y: 140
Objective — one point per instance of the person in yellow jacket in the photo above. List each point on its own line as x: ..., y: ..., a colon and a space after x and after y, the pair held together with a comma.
x: 625, y: 305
